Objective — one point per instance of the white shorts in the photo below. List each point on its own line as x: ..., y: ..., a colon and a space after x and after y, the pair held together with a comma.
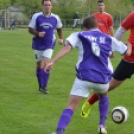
x: 45, y: 53
x: 82, y: 88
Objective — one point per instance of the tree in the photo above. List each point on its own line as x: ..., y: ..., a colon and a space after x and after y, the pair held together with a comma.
x: 30, y: 6
x: 66, y: 8
x: 13, y: 2
x: 4, y: 4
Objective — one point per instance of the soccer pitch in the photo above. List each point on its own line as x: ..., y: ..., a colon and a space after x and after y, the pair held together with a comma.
x: 23, y: 110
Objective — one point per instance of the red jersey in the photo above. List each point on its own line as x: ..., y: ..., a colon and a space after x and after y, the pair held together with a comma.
x: 127, y: 24
x: 104, y: 21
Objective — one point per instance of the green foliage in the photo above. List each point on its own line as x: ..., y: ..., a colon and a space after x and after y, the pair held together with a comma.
x: 4, y: 4
x: 66, y: 8
x: 13, y: 2
x: 30, y: 6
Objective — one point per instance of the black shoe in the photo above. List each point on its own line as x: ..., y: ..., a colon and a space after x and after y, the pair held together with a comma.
x: 43, y: 90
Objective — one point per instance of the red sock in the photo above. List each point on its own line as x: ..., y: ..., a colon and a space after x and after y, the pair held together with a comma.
x: 93, y: 99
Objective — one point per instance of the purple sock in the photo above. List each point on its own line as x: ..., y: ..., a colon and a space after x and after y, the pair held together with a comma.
x: 103, y: 107
x: 40, y: 76
x: 64, y: 120
x: 46, y: 77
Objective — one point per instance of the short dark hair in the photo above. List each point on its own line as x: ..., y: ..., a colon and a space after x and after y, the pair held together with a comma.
x: 90, y: 22
x: 44, y: 0
x: 100, y: 1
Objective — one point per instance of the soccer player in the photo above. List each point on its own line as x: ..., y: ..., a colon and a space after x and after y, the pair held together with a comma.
x: 43, y: 26
x: 105, y: 21
x: 93, y: 69
x: 76, y: 19
x: 126, y: 65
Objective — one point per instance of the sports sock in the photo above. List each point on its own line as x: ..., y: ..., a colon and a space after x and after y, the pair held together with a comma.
x: 93, y: 99
x: 59, y: 132
x: 46, y: 77
x: 64, y: 120
x: 40, y: 76
x: 103, y: 107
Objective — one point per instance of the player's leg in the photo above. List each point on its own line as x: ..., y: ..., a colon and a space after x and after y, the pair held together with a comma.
x: 41, y: 76
x: 47, y: 54
x: 103, y: 108
x: 67, y: 113
x: 75, y: 20
x: 102, y: 91
x: 42, y: 60
x: 94, y: 98
x: 117, y: 79
x: 79, y: 90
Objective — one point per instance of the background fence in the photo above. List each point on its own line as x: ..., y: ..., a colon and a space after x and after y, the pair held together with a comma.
x: 67, y: 23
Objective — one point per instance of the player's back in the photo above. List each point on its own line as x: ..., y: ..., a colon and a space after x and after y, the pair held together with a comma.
x: 94, y: 65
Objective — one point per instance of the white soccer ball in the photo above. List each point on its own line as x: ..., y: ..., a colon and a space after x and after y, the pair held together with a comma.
x: 120, y: 114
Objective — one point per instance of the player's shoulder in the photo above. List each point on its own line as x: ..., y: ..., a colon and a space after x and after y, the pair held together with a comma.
x: 131, y: 14
x: 55, y: 16
x: 75, y: 34
x: 107, y: 14
x: 35, y: 15
x: 97, y: 13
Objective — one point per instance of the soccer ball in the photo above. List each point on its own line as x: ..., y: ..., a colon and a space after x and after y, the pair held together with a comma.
x: 119, y: 114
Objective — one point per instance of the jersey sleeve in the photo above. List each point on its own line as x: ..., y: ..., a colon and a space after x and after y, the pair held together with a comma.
x: 59, y: 23
x: 118, y: 46
x: 73, y: 40
x: 119, y: 33
x: 32, y: 24
x: 128, y: 22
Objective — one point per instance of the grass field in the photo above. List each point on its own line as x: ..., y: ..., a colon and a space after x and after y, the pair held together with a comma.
x: 23, y: 110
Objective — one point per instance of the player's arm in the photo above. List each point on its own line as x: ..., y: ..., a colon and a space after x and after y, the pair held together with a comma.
x: 36, y: 33
x: 60, y: 34
x: 32, y: 27
x: 110, y: 25
x: 111, y: 31
x: 119, y: 33
x: 59, y: 30
x: 121, y: 48
x: 59, y: 55
x: 129, y: 48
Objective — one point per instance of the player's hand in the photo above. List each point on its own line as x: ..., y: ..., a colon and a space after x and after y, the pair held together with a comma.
x: 127, y: 43
x: 60, y: 41
x: 41, y: 34
x: 48, y: 67
x: 112, y: 55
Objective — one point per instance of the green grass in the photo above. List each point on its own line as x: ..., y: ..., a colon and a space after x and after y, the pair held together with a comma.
x: 23, y: 110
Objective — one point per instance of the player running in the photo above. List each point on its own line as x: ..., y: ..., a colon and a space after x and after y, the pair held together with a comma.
x: 43, y: 26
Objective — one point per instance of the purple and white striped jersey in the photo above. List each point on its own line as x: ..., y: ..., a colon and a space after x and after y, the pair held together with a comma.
x: 42, y: 23
x: 94, y: 50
